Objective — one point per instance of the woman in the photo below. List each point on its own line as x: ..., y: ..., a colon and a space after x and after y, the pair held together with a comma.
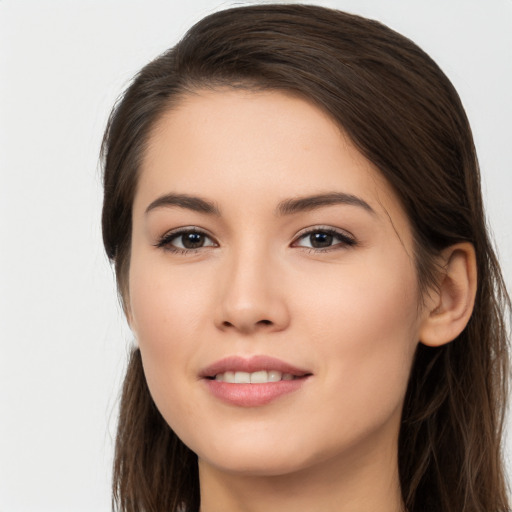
x: 293, y: 207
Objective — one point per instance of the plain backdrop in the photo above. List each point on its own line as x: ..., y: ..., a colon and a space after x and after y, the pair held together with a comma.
x: 63, y: 338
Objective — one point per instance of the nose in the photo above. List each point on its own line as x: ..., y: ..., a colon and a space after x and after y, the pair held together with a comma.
x: 251, y: 295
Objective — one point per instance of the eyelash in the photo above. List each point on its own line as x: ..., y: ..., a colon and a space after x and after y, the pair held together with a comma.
x: 166, y: 240
x: 345, y: 240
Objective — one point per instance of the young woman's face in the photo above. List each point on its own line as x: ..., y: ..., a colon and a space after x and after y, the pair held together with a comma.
x: 267, y: 248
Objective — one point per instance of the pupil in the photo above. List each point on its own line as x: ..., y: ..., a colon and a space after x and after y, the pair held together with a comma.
x: 192, y: 240
x: 321, y: 240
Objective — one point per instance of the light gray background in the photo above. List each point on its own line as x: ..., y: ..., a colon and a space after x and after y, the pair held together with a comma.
x: 63, y: 337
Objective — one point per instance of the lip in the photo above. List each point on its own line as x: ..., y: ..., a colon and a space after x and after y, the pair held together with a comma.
x: 252, y: 395
x: 250, y: 365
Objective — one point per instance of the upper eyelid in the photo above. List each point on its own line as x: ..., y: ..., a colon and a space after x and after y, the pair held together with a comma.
x: 303, y: 232
x: 346, y: 239
x: 187, y: 229
x: 170, y: 235
x: 313, y: 229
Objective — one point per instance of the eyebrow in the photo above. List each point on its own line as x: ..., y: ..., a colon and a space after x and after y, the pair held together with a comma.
x: 185, y: 201
x: 286, y: 207
x: 307, y: 203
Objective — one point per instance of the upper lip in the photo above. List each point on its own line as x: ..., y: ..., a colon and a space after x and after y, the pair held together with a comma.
x: 250, y: 365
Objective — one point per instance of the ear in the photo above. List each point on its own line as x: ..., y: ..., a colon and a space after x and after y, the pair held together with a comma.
x: 451, y: 304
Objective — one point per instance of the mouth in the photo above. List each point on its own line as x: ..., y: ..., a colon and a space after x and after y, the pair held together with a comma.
x: 252, y: 382
x: 254, y: 370
x: 258, y: 377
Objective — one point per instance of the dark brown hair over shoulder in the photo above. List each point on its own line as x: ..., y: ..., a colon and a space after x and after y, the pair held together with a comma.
x: 404, y: 115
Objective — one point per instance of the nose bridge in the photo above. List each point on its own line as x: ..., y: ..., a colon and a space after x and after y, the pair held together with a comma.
x: 251, y: 298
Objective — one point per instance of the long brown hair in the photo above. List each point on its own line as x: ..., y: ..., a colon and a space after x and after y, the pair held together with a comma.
x: 404, y: 115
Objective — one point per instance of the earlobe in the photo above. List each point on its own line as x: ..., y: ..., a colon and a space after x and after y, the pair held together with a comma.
x: 454, y: 298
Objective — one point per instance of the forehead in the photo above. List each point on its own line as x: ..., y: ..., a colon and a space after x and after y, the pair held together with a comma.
x: 248, y: 150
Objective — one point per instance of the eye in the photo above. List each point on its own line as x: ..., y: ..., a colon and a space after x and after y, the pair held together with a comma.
x: 324, y: 238
x: 185, y: 240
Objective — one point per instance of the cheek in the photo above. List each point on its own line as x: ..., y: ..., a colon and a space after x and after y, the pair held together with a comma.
x: 367, y: 299
x: 165, y: 303
x: 163, y: 319
x: 169, y: 308
x: 364, y: 330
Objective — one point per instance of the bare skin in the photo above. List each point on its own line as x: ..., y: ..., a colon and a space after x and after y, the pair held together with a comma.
x: 260, y: 230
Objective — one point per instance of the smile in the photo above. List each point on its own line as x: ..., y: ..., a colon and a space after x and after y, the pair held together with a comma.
x: 268, y: 378
x: 259, y: 377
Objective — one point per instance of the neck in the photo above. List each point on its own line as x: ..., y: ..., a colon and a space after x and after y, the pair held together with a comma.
x: 357, y: 484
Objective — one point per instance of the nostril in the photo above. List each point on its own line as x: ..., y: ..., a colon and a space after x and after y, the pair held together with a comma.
x: 246, y: 323
x: 260, y: 322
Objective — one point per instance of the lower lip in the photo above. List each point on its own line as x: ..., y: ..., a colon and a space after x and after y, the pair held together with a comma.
x: 253, y: 395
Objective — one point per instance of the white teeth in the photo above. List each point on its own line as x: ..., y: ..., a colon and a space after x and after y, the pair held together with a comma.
x: 259, y: 377
x: 242, y: 378
x: 274, y: 376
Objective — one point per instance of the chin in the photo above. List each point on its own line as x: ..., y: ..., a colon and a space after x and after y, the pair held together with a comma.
x: 255, y: 464
x: 258, y: 457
